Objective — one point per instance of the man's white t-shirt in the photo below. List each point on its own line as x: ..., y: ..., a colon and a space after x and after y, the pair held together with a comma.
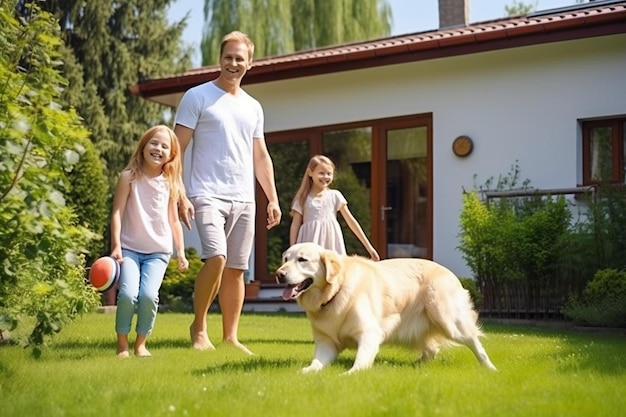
x: 222, y: 164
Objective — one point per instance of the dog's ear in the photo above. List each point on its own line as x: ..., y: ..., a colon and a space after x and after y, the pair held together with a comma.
x: 332, y: 264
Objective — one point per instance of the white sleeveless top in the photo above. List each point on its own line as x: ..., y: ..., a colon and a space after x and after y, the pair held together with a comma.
x: 145, y: 225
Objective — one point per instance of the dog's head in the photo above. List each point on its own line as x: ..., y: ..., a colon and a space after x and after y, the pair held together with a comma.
x: 307, y: 266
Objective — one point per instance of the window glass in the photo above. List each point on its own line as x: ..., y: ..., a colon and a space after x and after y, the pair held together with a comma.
x: 624, y: 152
x: 601, y: 153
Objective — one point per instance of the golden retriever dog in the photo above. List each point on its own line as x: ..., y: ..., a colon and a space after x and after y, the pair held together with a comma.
x: 354, y: 302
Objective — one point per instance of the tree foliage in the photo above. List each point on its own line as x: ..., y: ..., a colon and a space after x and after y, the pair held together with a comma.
x: 42, y: 244
x: 88, y: 194
x: 108, y: 46
x: 279, y: 27
x: 519, y: 8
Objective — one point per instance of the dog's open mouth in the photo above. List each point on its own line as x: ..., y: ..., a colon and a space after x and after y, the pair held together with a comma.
x: 292, y: 291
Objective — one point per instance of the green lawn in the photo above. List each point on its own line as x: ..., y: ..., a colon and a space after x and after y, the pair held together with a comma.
x: 541, y: 373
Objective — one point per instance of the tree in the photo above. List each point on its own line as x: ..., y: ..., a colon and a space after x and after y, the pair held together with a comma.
x: 88, y: 194
x: 110, y: 45
x: 519, y: 9
x: 282, y: 26
x: 42, y: 243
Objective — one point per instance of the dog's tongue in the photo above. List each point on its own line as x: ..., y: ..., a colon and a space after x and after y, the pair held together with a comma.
x: 289, y: 293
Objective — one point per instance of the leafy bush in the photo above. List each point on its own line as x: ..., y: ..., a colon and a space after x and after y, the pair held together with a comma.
x: 88, y: 194
x: 602, y: 303
x: 177, y: 288
x: 525, y: 251
x: 42, y: 244
x: 470, y: 285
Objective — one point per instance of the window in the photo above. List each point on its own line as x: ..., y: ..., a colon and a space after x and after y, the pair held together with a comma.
x: 604, y: 151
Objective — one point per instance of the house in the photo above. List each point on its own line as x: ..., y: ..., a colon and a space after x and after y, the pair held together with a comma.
x: 413, y: 120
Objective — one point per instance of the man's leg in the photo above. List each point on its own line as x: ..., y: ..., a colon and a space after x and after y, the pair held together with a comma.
x: 231, y: 299
x: 206, y: 286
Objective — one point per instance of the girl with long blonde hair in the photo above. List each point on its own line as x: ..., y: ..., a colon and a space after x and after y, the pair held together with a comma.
x: 145, y: 231
x: 315, y: 207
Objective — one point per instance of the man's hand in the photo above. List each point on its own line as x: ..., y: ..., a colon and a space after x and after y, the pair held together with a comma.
x: 273, y: 215
x: 186, y: 212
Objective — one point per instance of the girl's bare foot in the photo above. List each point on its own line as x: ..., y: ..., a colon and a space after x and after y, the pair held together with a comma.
x: 140, y: 346
x: 122, y: 346
x: 142, y: 352
x: 200, y: 340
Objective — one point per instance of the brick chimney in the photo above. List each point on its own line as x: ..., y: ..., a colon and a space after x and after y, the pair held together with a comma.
x: 453, y: 13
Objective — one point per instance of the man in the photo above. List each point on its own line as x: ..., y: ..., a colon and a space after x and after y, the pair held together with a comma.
x: 228, y: 152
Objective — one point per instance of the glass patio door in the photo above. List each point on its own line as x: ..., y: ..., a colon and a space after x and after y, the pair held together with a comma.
x: 404, y: 207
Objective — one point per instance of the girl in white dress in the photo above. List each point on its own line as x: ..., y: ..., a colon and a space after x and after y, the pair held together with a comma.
x: 314, y: 211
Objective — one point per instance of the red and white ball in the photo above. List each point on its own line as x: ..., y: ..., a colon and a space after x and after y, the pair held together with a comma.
x: 104, y: 273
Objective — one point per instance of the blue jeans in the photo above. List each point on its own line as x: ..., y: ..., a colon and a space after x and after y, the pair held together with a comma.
x: 141, y: 276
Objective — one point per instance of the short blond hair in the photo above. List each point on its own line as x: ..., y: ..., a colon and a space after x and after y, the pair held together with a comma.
x: 236, y: 36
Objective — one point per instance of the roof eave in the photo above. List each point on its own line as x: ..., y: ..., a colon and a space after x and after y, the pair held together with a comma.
x: 403, y: 49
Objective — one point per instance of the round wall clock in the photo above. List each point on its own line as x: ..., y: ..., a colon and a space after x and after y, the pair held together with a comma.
x: 462, y: 146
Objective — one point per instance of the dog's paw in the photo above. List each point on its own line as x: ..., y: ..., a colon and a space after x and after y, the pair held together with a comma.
x: 310, y: 369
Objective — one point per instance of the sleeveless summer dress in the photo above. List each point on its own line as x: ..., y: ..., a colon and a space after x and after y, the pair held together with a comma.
x: 319, y: 220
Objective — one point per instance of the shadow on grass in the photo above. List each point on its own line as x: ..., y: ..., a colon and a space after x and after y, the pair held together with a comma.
x: 254, y: 363
x: 260, y: 363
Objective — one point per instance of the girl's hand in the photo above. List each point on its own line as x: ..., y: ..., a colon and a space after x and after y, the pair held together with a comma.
x: 117, y: 255
x: 183, y: 263
x: 374, y: 255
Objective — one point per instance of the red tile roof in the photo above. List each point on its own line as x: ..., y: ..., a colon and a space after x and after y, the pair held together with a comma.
x: 576, y: 22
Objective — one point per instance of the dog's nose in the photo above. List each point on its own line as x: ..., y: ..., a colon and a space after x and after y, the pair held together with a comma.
x: 280, y: 276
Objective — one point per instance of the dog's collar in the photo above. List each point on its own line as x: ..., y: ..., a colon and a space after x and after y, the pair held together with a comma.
x: 329, y: 301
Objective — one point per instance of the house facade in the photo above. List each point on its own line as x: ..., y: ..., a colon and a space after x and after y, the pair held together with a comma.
x: 412, y: 121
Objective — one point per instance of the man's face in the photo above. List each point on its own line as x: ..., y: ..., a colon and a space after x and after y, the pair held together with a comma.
x: 234, y: 61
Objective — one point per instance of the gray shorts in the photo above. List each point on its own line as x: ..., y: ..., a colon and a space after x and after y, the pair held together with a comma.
x: 225, y: 228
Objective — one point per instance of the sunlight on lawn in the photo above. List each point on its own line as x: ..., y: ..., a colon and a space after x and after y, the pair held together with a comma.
x: 541, y: 373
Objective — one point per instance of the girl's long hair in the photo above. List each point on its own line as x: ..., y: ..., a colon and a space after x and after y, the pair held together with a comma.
x: 172, y: 169
x: 307, y: 181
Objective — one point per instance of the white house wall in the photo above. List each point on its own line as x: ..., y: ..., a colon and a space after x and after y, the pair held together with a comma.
x: 519, y: 104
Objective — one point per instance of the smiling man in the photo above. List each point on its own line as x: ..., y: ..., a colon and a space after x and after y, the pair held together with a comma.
x: 228, y: 152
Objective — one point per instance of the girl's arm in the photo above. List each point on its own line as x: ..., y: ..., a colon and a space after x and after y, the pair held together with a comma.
x: 185, y: 209
x: 177, y: 234
x: 358, y: 231
x: 122, y: 190
x: 296, y: 222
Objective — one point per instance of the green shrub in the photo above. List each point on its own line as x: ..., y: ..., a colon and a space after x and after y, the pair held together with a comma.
x: 602, y: 303
x: 42, y: 242
x: 177, y: 289
x: 88, y: 194
x: 470, y: 285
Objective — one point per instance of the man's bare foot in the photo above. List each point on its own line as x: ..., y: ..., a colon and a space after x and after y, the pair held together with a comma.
x: 123, y: 354
x: 237, y: 344
x: 200, y: 340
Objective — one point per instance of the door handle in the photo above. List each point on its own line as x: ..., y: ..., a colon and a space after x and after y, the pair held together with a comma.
x: 383, y: 209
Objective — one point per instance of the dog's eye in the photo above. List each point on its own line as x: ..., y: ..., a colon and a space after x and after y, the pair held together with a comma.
x: 301, y: 259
